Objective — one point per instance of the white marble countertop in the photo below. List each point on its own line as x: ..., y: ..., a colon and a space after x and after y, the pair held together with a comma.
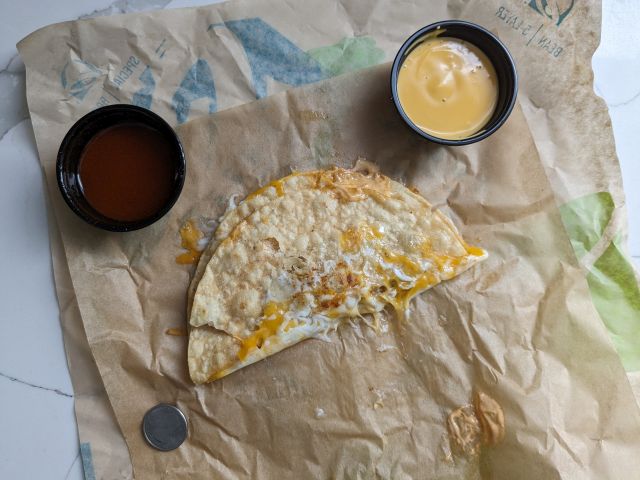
x: 37, y: 422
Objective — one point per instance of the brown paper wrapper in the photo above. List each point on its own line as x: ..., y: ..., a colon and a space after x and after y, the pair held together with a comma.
x: 519, y: 327
x: 569, y: 127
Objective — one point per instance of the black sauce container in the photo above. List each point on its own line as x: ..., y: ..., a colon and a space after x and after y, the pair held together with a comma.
x: 74, y: 142
x: 495, y: 51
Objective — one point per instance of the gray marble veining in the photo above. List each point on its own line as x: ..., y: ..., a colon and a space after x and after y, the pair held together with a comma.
x: 33, y: 385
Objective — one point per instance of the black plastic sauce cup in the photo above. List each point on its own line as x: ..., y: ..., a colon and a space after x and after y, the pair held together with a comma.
x: 495, y: 51
x: 81, y: 133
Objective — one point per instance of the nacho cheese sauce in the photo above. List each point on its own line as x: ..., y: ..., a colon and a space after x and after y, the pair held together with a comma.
x: 448, y: 88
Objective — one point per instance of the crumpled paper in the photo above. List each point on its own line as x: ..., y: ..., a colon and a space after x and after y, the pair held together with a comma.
x: 519, y: 327
x: 191, y: 62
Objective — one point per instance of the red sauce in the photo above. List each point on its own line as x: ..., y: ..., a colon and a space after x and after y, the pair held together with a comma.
x: 127, y: 172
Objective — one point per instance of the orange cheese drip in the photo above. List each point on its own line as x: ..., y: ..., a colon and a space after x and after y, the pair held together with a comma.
x: 443, y: 260
x: 278, y: 185
x: 475, y: 251
x: 190, y: 235
x: 401, y: 301
x: 352, y: 238
x: 409, y: 266
x: 273, y: 317
x: 176, y: 332
x: 424, y: 280
x: 219, y: 374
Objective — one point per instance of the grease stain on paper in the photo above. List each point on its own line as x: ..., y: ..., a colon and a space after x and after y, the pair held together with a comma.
x: 176, y: 332
x: 474, y: 425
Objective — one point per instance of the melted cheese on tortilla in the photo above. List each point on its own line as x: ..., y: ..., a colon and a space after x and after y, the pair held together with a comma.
x: 352, y: 186
x: 278, y: 317
x: 371, y: 267
x: 278, y: 185
x: 347, y: 185
x: 273, y: 317
x: 352, y: 238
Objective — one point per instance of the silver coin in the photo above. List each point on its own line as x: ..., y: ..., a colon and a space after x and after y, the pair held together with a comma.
x: 164, y: 427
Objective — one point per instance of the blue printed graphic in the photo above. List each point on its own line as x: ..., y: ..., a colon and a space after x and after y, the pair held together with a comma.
x: 144, y: 96
x: 270, y: 54
x: 78, y: 76
x: 557, y: 14
x: 196, y: 84
x: 87, y: 461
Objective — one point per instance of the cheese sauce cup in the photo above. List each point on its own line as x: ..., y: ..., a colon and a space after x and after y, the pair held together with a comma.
x: 454, y: 82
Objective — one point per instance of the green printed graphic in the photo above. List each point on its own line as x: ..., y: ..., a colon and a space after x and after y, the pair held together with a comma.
x: 347, y: 55
x: 556, y: 10
x: 616, y: 296
x: 585, y: 219
x: 612, y: 281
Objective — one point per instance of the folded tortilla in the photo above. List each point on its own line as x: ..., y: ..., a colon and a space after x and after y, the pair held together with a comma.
x: 303, y: 254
